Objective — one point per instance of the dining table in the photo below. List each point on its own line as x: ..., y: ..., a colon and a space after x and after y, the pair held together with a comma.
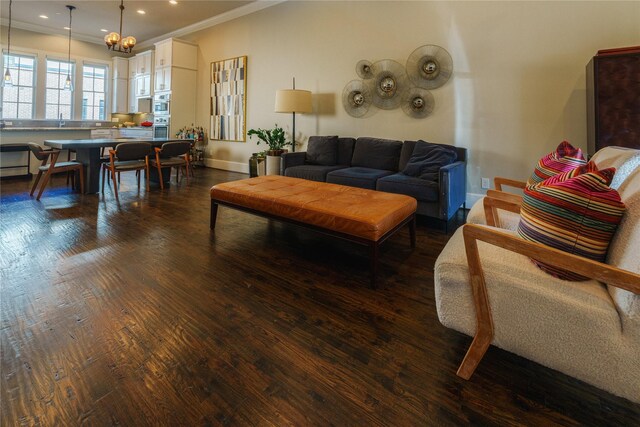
x: 88, y: 153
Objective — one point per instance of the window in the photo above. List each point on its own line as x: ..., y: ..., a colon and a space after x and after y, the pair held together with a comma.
x: 58, y: 102
x: 18, y: 100
x: 94, y: 92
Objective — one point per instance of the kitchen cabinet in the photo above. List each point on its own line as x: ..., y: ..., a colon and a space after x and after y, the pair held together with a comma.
x: 120, y: 86
x: 136, y: 133
x: 143, y: 63
x: 162, y: 79
x: 104, y: 133
x: 143, y: 86
x: 120, y: 99
x: 176, y: 53
x: 133, y: 66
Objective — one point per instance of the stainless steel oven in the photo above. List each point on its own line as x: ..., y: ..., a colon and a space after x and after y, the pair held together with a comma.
x: 161, y: 103
x: 161, y: 127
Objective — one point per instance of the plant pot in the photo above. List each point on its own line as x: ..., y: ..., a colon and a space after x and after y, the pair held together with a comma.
x: 275, y: 152
x: 273, y: 165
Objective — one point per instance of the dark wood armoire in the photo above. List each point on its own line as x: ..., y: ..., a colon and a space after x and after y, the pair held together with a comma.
x: 613, y: 99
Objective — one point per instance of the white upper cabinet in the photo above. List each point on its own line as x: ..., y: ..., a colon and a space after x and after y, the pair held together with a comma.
x: 144, y: 63
x: 120, y: 68
x: 176, y: 53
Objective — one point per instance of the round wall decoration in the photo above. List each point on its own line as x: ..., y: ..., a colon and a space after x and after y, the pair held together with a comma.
x: 429, y: 66
x: 417, y: 102
x: 388, y: 83
x: 363, y: 69
x: 356, y: 98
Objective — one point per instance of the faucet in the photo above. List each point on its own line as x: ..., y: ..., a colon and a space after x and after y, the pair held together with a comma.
x: 61, y: 122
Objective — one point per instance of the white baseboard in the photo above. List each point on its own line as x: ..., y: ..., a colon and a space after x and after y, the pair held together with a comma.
x: 472, y: 198
x: 227, y: 166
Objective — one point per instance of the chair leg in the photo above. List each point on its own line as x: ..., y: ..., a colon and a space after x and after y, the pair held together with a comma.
x: 115, y: 182
x: 138, y: 177
x: 35, y: 184
x: 81, y: 174
x: 146, y: 175
x: 103, y: 178
x: 160, y: 176
x: 44, y: 184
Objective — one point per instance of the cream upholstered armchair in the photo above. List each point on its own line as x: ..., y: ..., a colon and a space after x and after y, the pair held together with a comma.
x: 487, y: 287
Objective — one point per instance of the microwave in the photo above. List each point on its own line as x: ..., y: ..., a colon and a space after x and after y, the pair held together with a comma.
x: 161, y: 104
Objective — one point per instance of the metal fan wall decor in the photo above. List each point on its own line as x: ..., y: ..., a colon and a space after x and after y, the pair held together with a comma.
x: 429, y: 66
x: 356, y: 98
x: 387, y: 84
x: 417, y: 102
x: 363, y: 69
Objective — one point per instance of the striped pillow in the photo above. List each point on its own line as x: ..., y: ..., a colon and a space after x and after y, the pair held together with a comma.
x: 563, y: 159
x: 579, y: 215
x: 561, y: 177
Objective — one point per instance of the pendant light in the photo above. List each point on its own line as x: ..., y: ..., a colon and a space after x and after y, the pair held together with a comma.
x: 68, y: 85
x: 116, y: 42
x: 8, y: 82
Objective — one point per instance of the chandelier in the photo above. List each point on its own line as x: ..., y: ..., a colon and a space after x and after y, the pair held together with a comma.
x: 116, y: 42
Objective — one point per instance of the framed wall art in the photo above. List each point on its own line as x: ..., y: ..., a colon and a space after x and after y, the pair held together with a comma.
x: 229, y: 99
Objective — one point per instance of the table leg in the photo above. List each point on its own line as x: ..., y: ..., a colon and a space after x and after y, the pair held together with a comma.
x: 374, y: 254
x: 90, y: 158
x: 214, y: 215
x: 412, y: 231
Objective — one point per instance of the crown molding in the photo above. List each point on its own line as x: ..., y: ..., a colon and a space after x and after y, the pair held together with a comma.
x: 248, y: 9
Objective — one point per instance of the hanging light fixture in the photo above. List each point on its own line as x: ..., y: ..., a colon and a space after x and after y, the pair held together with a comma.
x: 116, y: 42
x: 8, y: 82
x: 68, y: 85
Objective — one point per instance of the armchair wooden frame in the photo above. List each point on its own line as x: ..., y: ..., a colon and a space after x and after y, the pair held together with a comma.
x: 159, y: 166
x: 473, y: 233
x: 498, y: 182
x: 52, y: 168
x: 113, y: 170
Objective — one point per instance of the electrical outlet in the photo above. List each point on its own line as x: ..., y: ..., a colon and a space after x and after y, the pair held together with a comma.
x: 485, y: 183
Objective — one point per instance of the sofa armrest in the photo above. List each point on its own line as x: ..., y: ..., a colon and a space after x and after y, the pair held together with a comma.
x: 473, y: 233
x: 453, y: 188
x: 293, y: 159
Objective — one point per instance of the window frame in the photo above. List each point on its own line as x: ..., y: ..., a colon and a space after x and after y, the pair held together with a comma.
x: 47, y: 88
x: 34, y: 81
x: 107, y: 101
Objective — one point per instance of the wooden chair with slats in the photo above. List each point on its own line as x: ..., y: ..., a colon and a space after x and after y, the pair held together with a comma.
x: 128, y: 156
x: 53, y: 167
x: 172, y: 155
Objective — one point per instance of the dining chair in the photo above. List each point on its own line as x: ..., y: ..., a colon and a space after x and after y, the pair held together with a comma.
x: 53, y: 167
x: 172, y: 154
x: 128, y: 156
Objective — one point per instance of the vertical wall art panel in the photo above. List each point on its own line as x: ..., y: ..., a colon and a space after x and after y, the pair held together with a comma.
x: 229, y: 99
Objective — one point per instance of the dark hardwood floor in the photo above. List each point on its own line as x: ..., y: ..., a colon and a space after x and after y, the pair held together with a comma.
x: 134, y: 313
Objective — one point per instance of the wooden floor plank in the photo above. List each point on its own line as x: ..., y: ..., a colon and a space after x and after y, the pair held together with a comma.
x: 135, y: 313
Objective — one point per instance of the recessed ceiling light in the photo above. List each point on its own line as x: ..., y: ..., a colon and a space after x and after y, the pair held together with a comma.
x: 44, y: 17
x: 66, y: 28
x: 141, y: 12
x: 103, y: 30
x: 173, y: 2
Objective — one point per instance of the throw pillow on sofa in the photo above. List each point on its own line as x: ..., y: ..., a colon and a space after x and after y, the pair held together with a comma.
x: 427, y: 159
x: 564, y: 158
x: 322, y: 150
x: 376, y: 153
x: 579, y: 215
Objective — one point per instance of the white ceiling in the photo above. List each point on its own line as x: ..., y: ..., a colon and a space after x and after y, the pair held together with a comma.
x: 89, y: 17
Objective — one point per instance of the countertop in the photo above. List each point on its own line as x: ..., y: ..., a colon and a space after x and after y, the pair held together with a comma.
x: 47, y: 129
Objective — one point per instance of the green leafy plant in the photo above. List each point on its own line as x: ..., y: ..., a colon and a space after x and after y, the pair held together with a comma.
x: 274, y: 138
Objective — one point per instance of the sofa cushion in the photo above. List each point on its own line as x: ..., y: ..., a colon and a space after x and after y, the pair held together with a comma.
x: 507, y: 220
x: 374, y: 153
x: 345, y: 151
x: 311, y: 172
x: 579, y: 216
x: 322, y: 150
x: 427, y: 159
x: 564, y: 158
x: 421, y: 189
x: 357, y: 177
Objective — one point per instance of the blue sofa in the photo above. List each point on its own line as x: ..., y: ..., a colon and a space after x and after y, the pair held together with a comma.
x: 378, y: 164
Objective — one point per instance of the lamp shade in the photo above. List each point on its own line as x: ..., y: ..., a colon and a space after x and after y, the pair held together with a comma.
x: 293, y: 101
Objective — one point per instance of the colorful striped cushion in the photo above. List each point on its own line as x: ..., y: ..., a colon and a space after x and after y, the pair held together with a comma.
x: 579, y: 215
x: 561, y: 177
x: 563, y: 159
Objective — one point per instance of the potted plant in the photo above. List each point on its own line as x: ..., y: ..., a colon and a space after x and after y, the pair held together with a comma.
x: 274, y: 138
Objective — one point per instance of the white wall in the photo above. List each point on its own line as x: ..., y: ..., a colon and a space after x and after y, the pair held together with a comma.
x: 518, y: 87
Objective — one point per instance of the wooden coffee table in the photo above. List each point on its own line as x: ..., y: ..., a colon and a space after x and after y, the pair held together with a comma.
x: 366, y: 217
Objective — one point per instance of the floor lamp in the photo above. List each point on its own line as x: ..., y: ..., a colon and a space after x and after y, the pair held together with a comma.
x: 293, y: 101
